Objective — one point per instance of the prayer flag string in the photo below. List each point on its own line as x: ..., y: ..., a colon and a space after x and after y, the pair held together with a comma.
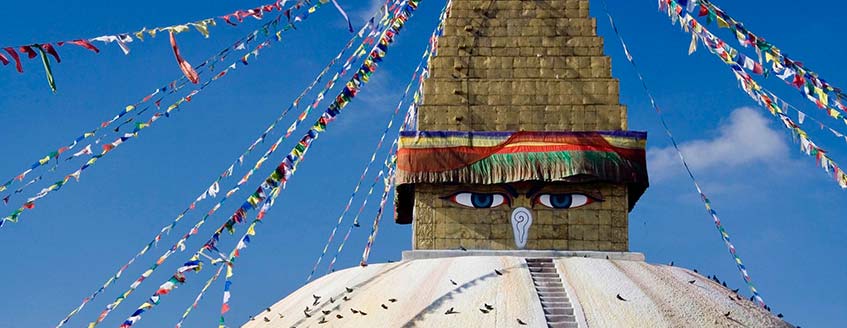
x: 210, y: 191
x: 723, y: 51
x: 166, y: 89
x: 388, y: 182
x: 199, y: 296
x: 812, y: 86
x: 408, y: 122
x: 370, y: 162
x: 269, y: 190
x: 385, y: 40
x: 706, y: 201
x: 30, y: 203
x: 123, y: 39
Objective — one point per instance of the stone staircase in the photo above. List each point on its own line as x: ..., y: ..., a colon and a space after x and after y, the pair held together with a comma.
x: 557, y: 307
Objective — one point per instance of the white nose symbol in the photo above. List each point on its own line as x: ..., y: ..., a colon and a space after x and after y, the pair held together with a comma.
x: 521, y: 220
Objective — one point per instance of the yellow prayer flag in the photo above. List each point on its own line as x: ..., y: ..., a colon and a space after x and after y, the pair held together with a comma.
x: 177, y: 28
x: 768, y: 57
x: 202, y: 27
x: 722, y: 23
x: 140, y: 34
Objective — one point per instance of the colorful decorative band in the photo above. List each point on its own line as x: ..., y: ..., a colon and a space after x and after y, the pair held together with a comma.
x: 435, y: 157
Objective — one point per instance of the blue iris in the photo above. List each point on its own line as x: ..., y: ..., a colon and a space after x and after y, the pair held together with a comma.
x: 482, y: 200
x: 561, y: 200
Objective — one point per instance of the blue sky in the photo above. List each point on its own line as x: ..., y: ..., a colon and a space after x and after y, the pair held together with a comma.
x: 785, y: 215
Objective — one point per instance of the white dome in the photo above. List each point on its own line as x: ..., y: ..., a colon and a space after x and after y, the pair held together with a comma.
x: 655, y: 296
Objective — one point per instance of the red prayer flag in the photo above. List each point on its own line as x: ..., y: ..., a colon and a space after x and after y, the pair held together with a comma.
x: 82, y: 43
x: 186, y: 68
x: 18, y: 66
x: 52, y: 51
x: 30, y: 53
x: 4, y: 60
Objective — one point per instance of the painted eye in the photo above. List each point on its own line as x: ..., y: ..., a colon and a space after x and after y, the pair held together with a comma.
x: 478, y: 200
x: 563, y: 201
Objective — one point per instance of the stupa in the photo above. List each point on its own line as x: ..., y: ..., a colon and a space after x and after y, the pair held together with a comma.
x: 518, y: 182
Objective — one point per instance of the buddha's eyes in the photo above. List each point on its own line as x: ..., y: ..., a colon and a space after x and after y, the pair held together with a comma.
x: 563, y: 201
x: 478, y: 200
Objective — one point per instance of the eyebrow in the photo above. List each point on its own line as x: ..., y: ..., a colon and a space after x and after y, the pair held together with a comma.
x: 511, y: 190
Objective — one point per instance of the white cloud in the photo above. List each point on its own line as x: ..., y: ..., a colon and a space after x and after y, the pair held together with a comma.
x: 746, y: 138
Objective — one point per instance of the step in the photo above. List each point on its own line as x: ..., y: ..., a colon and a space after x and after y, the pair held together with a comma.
x: 557, y: 304
x: 545, y: 275
x: 558, y: 311
x: 539, y: 259
x: 551, y: 290
x: 563, y: 325
x: 541, y: 264
x: 543, y: 270
x: 547, y: 284
x: 539, y: 279
x: 560, y: 318
x: 559, y: 299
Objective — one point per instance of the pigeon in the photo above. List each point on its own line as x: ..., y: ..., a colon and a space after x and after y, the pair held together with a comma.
x: 331, y: 300
x: 356, y: 224
x: 354, y: 311
x: 392, y: 300
x: 735, y: 290
x: 724, y: 284
x: 307, y: 309
x: 751, y: 298
x: 779, y: 315
x: 384, y: 306
x: 692, y: 281
x: 488, y: 307
x: 349, y: 290
x: 463, y: 248
x: 453, y: 282
x: 621, y: 298
x: 483, y: 311
x: 339, y: 316
x: 520, y: 322
x: 450, y: 311
x: 281, y: 315
x: 362, y: 312
x: 326, y: 311
x: 346, y: 298
x: 671, y: 264
x: 726, y: 314
x: 267, y: 320
x: 252, y: 318
x: 323, y: 320
x: 268, y: 309
x: 498, y: 272
x: 316, y: 297
x: 306, y: 313
x: 695, y: 271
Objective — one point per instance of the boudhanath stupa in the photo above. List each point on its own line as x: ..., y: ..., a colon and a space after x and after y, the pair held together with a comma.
x: 518, y: 183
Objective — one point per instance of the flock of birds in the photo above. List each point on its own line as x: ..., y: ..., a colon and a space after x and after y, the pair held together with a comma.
x: 484, y: 309
x: 309, y: 312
